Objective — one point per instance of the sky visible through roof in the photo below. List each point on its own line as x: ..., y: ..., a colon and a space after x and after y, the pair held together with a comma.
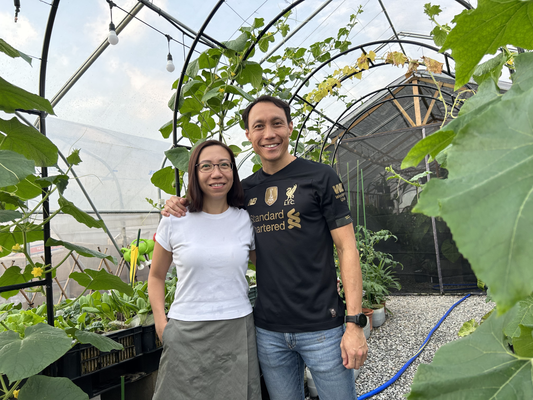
x: 128, y: 87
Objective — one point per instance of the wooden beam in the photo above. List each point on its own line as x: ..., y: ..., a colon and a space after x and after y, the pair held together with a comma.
x: 430, y: 108
x: 416, y: 101
x: 407, y: 117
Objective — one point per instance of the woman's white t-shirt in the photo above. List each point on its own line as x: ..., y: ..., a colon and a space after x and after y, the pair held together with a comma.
x: 211, y: 253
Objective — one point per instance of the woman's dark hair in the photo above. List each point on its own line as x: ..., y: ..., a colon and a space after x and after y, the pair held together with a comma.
x: 194, y: 192
x: 270, y: 99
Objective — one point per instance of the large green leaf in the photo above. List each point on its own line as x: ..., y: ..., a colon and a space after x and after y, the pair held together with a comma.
x: 23, y: 357
x: 48, y: 388
x: 12, y: 276
x: 101, y: 280
x: 523, y: 345
x: 252, y: 73
x: 12, y: 52
x: 84, y: 251
x: 179, y: 157
x: 494, y: 23
x: 191, y: 105
x: 69, y: 208
x: 9, y: 215
x: 29, y: 142
x: 61, y: 181
x: 477, y: 367
x: 191, y: 131
x: 13, y: 97
x: 238, y: 44
x: 166, y: 129
x: 487, y: 201
x: 12, y: 200
x: 101, y: 342
x: 522, y: 316
x: 164, y: 179
x: 237, y: 90
x: 26, y: 189
x: 14, y: 167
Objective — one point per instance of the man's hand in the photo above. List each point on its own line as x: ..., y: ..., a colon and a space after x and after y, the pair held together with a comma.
x: 353, y: 347
x: 176, y: 206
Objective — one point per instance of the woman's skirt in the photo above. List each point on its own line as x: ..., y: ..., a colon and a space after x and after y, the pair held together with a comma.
x: 211, y: 360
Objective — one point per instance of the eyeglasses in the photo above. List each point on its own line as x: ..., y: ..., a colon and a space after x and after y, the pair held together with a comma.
x: 209, y: 167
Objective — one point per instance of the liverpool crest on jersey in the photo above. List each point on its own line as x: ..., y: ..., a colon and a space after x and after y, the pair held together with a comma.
x: 271, y: 195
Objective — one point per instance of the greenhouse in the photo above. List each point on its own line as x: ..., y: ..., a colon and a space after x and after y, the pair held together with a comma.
x: 410, y: 124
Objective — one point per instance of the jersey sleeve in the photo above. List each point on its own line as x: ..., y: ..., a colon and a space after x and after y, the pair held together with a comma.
x: 163, y: 233
x: 332, y: 199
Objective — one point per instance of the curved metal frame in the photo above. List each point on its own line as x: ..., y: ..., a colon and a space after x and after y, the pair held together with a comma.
x: 361, y: 99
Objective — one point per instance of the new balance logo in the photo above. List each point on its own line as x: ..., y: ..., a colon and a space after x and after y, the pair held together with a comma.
x: 252, y: 201
x: 293, y: 219
x: 338, y: 188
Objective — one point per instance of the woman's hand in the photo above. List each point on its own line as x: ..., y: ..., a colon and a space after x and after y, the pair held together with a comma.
x: 176, y: 206
x: 160, y: 328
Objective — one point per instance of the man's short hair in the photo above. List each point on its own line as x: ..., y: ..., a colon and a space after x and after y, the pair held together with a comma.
x: 271, y: 99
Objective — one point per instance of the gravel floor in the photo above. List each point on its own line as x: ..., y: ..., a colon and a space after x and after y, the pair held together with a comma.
x: 399, y: 338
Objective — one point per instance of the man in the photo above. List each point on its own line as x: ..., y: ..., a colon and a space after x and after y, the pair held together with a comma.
x: 298, y: 209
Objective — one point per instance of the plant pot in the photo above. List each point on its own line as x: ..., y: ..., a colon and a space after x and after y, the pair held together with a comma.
x: 356, y: 373
x: 366, y: 330
x: 378, y: 317
x: 368, y: 312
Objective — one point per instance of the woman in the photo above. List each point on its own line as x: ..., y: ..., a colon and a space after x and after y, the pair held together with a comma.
x: 209, y: 349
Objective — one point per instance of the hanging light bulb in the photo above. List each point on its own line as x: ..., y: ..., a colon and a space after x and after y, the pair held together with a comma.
x: 112, y: 37
x: 170, y: 64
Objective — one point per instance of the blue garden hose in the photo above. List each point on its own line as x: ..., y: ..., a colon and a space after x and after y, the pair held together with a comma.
x: 402, y: 370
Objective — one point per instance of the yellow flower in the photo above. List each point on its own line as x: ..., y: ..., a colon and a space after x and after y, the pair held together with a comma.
x: 232, y: 73
x: 37, y: 271
x: 221, y: 90
x: 16, y: 247
x: 16, y: 394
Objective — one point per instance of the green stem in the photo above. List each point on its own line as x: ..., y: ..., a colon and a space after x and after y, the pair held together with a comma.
x: 62, y: 261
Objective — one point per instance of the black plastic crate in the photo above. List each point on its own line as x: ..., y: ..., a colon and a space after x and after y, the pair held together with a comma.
x: 85, y: 359
x: 252, y: 294
x: 150, y: 340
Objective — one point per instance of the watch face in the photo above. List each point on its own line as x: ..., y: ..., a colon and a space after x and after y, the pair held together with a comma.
x: 363, y: 320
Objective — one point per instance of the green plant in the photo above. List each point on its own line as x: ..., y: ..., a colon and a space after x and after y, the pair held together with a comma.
x: 487, y: 203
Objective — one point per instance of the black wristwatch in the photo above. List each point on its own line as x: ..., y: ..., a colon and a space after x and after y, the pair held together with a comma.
x: 359, y: 319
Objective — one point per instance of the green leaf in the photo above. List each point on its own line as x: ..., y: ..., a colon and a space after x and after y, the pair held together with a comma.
x: 432, y: 144
x: 12, y: 200
x: 477, y: 367
x: 166, y: 129
x: 207, y: 122
x: 236, y: 150
x: 191, y: 105
x: 211, y: 93
x: 522, y: 316
x: 490, y: 69
x: 42, y: 345
x: 61, y: 181
x: 82, y: 217
x: 491, y: 164
x: 493, y: 24
x: 14, y: 167
x: 192, y: 69
x: 74, y: 157
x: 449, y: 250
x: 432, y: 10
x: 9, y: 215
x: 238, y: 44
x: 179, y: 157
x: 26, y: 189
x: 207, y: 62
x: 439, y: 36
x: 29, y: 142
x: 12, y: 52
x: 13, y: 97
x: 468, y: 328
x: 251, y: 73
x: 523, y: 345
x: 191, y: 131
x: 164, y: 180
x: 239, y: 91
x: 101, y: 280
x: 12, y: 276
x: 84, y: 251
x: 101, y: 342
x: 48, y: 388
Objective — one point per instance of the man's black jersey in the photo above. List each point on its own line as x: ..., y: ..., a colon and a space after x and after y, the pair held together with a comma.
x: 292, y: 213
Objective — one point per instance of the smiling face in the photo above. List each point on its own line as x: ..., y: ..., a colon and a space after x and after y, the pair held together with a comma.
x: 269, y: 133
x: 216, y: 184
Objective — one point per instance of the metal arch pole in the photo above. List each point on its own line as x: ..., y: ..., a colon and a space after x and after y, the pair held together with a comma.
x: 376, y: 104
x: 465, y: 4
x: 313, y: 15
x: 44, y: 170
x: 93, y: 57
x: 357, y: 102
x: 180, y: 84
x: 391, y: 25
x: 311, y: 74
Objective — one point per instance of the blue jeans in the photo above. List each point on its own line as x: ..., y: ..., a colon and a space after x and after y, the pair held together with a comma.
x: 282, y: 357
